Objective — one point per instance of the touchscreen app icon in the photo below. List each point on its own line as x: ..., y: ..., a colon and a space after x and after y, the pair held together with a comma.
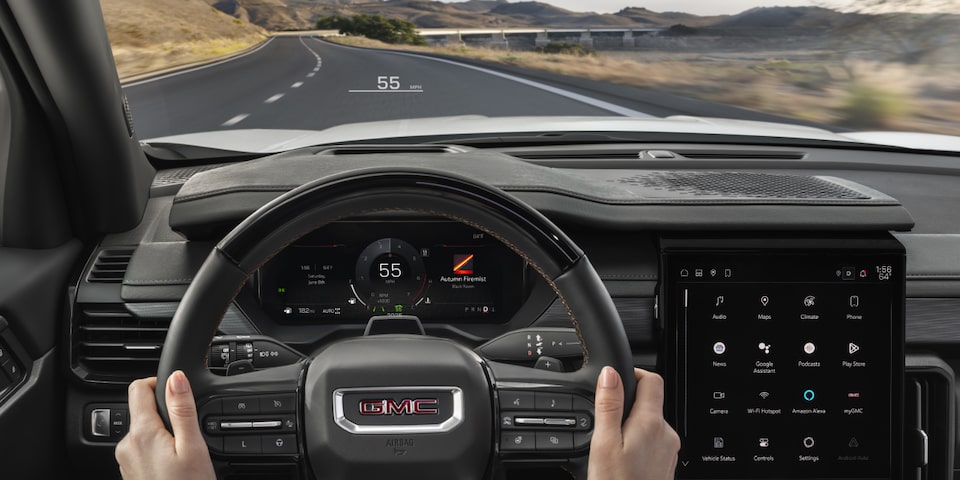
x: 809, y: 348
x: 719, y: 348
x: 809, y: 301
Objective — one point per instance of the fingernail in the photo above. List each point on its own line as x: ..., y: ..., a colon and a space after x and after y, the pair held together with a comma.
x: 178, y: 382
x: 609, y: 378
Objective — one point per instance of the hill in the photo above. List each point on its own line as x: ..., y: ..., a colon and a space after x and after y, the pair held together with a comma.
x: 145, y: 36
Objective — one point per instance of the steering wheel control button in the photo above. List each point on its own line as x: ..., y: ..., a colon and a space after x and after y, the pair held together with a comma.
x: 549, y: 364
x: 285, y: 403
x: 267, y: 424
x: 532, y: 344
x: 514, y: 400
x: 554, y: 441
x: 214, y: 443
x: 226, y: 426
x: 100, y: 422
x: 584, y: 422
x: 560, y: 422
x: 529, y: 421
x: 245, y: 444
x: 517, y: 441
x: 241, y: 405
x: 553, y: 401
x: 278, y: 444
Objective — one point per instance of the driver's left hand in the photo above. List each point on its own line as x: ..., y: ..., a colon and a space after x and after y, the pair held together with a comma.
x: 149, y: 451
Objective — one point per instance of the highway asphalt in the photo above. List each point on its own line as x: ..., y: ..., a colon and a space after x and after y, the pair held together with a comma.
x: 305, y: 83
x: 309, y: 84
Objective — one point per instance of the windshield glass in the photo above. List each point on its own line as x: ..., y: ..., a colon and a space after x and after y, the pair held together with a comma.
x: 192, y: 66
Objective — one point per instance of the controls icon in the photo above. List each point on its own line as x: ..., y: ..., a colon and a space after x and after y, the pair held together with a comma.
x: 698, y: 273
x: 765, y: 347
x: 853, y: 348
x: 809, y: 348
x: 809, y: 442
x: 764, y: 442
x: 809, y: 395
x: 809, y: 301
x: 717, y: 442
x: 684, y: 273
x: 719, y: 348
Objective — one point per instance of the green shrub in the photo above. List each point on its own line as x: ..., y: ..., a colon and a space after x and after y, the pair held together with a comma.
x: 871, y: 107
x: 376, y: 27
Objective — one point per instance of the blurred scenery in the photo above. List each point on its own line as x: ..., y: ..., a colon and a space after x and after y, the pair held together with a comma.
x: 887, y: 65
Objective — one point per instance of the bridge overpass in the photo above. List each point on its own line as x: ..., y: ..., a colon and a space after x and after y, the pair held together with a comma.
x: 602, y: 37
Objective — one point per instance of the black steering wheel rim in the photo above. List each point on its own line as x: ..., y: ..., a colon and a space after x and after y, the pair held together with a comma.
x: 421, y: 191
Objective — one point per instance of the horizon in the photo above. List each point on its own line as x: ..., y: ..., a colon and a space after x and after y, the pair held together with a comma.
x: 733, y: 7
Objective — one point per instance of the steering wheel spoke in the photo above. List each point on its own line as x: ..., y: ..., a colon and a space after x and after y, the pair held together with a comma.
x: 253, y: 415
x: 541, y: 415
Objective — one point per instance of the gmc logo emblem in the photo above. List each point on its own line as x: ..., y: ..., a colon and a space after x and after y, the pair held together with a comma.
x: 407, y: 406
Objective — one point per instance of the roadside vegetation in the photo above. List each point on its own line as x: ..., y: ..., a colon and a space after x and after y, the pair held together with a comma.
x: 376, y: 27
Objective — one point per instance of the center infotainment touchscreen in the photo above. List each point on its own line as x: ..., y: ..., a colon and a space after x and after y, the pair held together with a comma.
x: 785, y: 362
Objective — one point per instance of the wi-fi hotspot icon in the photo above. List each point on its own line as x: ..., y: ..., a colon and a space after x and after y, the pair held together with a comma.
x: 764, y: 395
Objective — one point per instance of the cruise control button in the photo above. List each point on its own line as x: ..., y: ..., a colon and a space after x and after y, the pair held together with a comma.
x: 554, y: 441
x: 278, y: 444
x: 246, y: 444
x: 514, y: 441
x: 514, y: 400
x: 528, y: 421
x: 560, y: 422
x: 284, y: 403
x: 584, y: 422
x: 241, y: 405
x: 236, y: 425
x: 553, y: 401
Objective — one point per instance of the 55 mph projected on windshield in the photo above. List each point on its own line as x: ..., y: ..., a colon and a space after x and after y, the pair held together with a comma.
x: 390, y: 84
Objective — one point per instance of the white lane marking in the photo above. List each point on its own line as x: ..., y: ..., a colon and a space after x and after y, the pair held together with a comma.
x: 311, y: 74
x: 201, y: 67
x: 593, y: 102
x: 296, y: 85
x: 274, y: 98
x: 315, y: 54
x: 235, y: 120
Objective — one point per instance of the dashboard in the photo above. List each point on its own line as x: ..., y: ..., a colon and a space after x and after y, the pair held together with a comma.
x: 802, y: 329
x: 350, y: 271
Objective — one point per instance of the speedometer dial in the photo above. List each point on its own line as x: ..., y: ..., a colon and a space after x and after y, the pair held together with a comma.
x: 389, y: 276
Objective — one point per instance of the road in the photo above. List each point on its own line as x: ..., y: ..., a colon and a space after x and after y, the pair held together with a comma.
x: 309, y: 84
x: 305, y: 83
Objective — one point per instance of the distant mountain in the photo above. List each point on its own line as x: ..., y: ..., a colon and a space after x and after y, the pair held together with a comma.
x: 786, y: 19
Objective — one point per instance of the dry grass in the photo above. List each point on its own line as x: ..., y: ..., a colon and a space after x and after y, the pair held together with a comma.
x: 147, y: 36
x: 809, y: 85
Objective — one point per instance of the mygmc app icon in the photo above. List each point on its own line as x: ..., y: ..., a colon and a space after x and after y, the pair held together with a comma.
x: 407, y: 406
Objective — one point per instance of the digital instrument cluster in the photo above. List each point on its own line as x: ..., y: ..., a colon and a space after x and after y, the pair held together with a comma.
x: 350, y: 271
x: 785, y: 363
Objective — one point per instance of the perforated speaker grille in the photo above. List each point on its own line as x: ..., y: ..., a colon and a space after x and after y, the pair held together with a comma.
x: 178, y: 176
x: 743, y: 185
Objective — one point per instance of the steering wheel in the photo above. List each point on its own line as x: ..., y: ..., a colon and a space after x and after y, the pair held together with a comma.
x: 403, y: 406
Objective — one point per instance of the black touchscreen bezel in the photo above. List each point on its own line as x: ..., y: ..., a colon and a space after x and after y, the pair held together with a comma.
x: 676, y: 246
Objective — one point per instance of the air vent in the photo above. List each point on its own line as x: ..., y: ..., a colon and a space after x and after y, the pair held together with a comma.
x: 110, y: 265
x: 743, y: 185
x: 929, y: 407
x: 389, y: 149
x: 112, y: 345
x: 740, y: 154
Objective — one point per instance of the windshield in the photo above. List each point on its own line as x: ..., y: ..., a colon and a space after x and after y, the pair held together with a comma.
x: 191, y: 66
